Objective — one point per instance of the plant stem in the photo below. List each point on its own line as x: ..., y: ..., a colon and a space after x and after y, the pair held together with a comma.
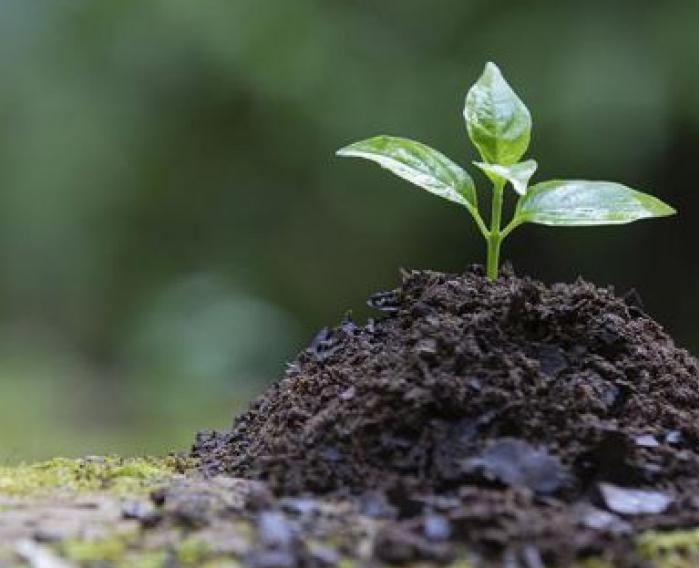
x: 495, y: 236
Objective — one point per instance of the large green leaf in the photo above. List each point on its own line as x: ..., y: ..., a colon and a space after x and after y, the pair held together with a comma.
x: 498, y: 122
x: 579, y: 202
x: 517, y: 174
x: 419, y: 164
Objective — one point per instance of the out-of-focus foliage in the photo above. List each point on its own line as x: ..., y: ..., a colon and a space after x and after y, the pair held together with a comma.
x: 173, y: 224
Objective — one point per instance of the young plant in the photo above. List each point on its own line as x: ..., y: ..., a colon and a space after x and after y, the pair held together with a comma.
x: 499, y: 125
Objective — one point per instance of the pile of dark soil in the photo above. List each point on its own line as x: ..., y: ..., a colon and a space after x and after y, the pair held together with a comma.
x: 550, y: 421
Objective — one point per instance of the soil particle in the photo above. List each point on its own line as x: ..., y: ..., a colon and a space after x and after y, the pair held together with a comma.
x: 509, y: 410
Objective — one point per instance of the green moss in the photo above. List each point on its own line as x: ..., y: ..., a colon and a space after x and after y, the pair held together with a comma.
x: 115, y: 474
x: 676, y: 549
x: 192, y: 551
x: 119, y: 551
x: 125, y: 551
x: 148, y: 559
x: 109, y: 549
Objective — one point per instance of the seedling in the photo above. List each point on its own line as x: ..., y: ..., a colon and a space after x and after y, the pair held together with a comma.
x: 499, y: 126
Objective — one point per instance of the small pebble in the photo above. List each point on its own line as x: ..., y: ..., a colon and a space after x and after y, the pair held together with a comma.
x: 633, y: 501
x: 142, y: 512
x: 600, y: 520
x: 135, y: 509
x: 348, y: 394
x: 673, y: 437
x: 437, y: 528
x: 516, y: 463
x: 646, y: 441
x: 274, y: 530
x: 303, y: 506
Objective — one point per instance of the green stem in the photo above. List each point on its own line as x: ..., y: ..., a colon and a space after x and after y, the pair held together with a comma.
x: 511, y: 227
x: 479, y: 222
x: 494, y: 235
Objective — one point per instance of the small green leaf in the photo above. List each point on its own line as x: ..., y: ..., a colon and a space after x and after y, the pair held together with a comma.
x: 498, y: 122
x: 419, y: 164
x: 579, y: 202
x: 517, y: 174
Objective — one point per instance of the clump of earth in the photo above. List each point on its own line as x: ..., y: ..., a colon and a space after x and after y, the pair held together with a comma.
x: 515, y: 419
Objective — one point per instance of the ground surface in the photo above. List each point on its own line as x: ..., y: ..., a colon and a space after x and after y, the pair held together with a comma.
x: 158, y: 513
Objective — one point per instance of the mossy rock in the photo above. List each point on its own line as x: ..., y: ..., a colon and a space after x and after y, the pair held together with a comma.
x: 111, y: 474
x: 205, y: 522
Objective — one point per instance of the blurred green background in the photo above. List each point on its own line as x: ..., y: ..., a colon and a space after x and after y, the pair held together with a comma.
x: 174, y: 226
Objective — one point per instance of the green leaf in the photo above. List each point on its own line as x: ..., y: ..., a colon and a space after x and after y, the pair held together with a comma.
x: 517, y: 174
x: 579, y: 202
x: 498, y: 122
x: 419, y: 164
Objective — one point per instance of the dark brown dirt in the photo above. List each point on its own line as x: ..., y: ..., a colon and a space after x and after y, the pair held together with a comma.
x: 518, y: 415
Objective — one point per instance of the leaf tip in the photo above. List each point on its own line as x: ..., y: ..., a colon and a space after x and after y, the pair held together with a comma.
x: 662, y: 209
x: 491, y: 69
x: 669, y: 211
x: 349, y: 151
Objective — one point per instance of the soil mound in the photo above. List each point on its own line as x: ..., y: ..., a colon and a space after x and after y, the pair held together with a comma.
x: 520, y: 409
